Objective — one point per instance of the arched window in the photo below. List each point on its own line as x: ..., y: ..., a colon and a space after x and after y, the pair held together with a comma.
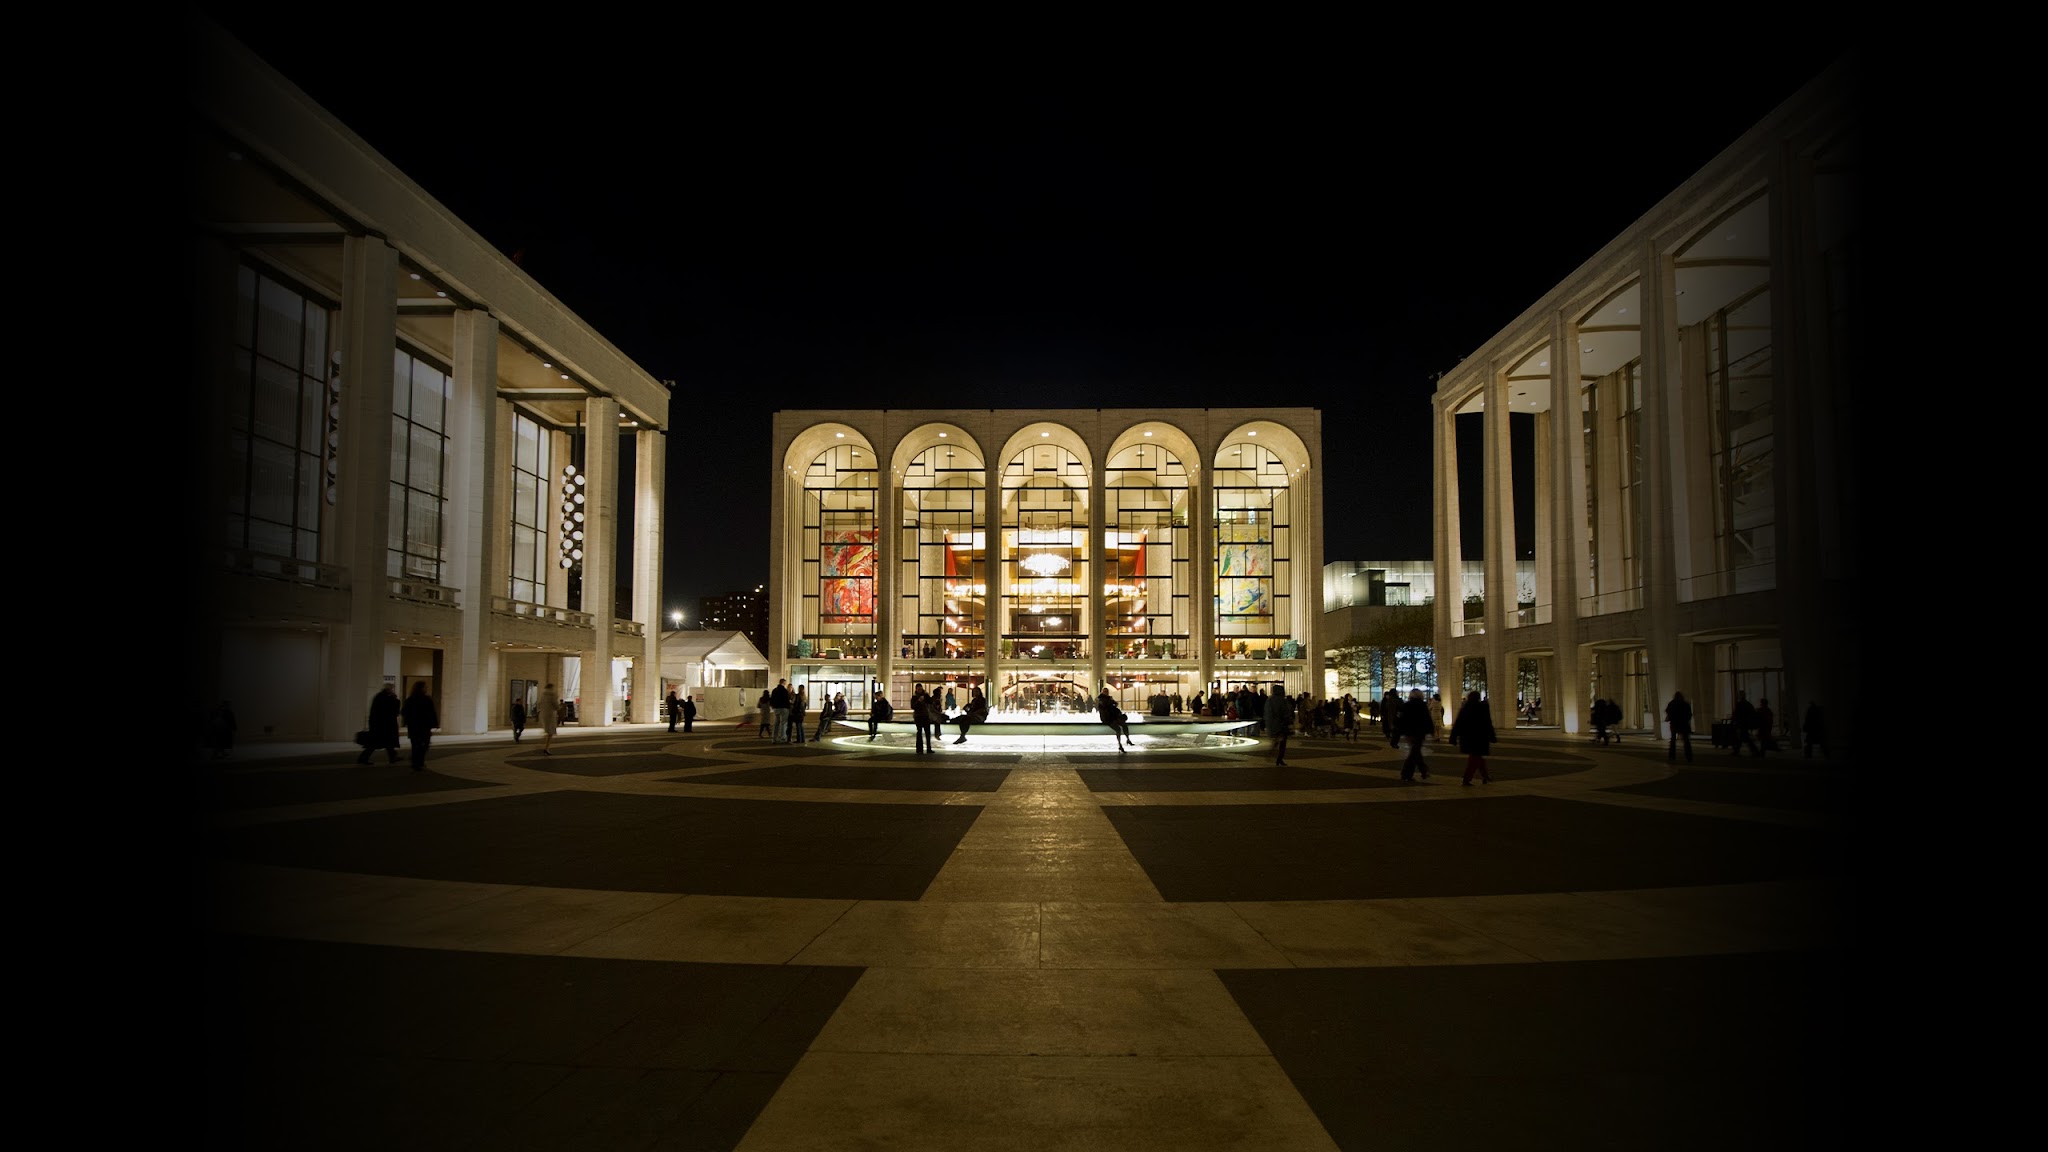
x: 839, y: 551
x: 1254, y: 550
x: 1045, y: 554
x: 1145, y: 555
x: 944, y: 592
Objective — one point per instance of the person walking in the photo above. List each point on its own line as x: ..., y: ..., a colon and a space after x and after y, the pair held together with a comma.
x: 518, y: 718
x: 1390, y: 718
x: 421, y: 719
x: 384, y: 710
x: 767, y: 710
x: 675, y: 709
x: 1107, y: 712
x: 1436, y: 716
x: 1814, y: 733
x: 1472, y: 731
x: 921, y: 707
x: 975, y: 713
x: 1600, y: 719
x: 778, y: 703
x: 877, y: 713
x: 1279, y: 720
x: 1412, y: 718
x: 1766, y: 728
x: 550, y: 717
x: 1743, y: 718
x: 1678, y: 713
x: 799, y: 703
x: 689, y: 711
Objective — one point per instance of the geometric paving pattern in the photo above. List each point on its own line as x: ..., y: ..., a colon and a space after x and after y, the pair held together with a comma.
x: 697, y: 941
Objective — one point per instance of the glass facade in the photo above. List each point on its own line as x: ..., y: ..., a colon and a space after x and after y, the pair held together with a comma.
x: 528, y: 575
x: 1146, y: 550
x: 1253, y: 552
x: 283, y: 409
x: 419, y: 468
x: 839, y: 550
x: 943, y: 612
x: 1741, y: 442
x: 1045, y: 555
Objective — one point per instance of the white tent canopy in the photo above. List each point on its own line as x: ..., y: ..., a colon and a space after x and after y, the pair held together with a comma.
x: 704, y: 659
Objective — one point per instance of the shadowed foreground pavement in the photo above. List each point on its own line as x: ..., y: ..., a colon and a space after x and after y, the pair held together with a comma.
x: 656, y: 941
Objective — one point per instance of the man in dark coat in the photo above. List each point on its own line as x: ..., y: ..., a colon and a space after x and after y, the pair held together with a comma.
x: 675, y: 709
x: 1679, y: 714
x: 1414, y: 721
x: 1390, y: 717
x: 689, y: 712
x: 1107, y: 712
x: 1473, y: 732
x: 421, y: 719
x: 384, y: 709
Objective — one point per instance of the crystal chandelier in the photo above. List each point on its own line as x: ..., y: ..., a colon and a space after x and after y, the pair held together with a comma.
x: 1043, y: 564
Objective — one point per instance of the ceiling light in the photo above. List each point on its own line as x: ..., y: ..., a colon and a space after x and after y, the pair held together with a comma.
x: 841, y: 435
x: 415, y: 275
x: 565, y: 375
x: 1045, y: 433
x: 1043, y: 564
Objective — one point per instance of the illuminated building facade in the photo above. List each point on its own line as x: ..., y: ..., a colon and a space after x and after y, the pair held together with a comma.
x: 1040, y: 554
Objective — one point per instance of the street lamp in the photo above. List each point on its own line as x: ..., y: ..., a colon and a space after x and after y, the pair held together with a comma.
x: 677, y: 617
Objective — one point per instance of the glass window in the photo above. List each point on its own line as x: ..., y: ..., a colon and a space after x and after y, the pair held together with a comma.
x: 944, y: 555
x: 1252, y: 558
x: 283, y: 413
x: 1045, y: 555
x: 419, y: 449
x: 1145, y: 554
x: 838, y: 553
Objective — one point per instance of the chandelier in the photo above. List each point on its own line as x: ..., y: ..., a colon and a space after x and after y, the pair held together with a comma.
x: 1043, y: 564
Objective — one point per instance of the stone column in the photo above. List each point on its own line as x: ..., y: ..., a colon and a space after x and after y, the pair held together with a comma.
x: 1497, y: 505
x: 475, y: 484
x: 367, y: 338
x: 1565, y: 448
x: 888, y: 563
x: 998, y: 613
x: 1098, y: 574
x: 1202, y: 565
x: 1670, y: 664
x: 600, y: 546
x: 650, y: 481
x: 1448, y: 556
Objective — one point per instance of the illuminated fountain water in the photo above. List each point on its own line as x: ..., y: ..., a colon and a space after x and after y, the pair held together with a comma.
x: 1053, y: 732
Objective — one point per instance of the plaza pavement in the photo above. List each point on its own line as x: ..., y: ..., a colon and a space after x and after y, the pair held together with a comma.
x: 711, y: 941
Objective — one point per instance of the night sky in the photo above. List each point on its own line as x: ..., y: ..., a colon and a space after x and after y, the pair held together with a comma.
x: 832, y: 225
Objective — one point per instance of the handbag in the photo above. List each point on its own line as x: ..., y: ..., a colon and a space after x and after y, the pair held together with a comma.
x: 363, y: 738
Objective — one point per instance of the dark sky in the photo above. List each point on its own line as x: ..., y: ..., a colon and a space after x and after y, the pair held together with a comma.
x: 775, y: 228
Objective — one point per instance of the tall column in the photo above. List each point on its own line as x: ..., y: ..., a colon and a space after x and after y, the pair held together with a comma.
x: 1497, y: 508
x: 998, y: 613
x: 1565, y: 447
x: 650, y: 479
x: 1308, y: 482
x: 1447, y: 554
x: 600, y: 546
x: 474, y: 485
x: 356, y: 651
x: 1098, y: 575
x: 1670, y: 663
x: 1202, y: 568
x: 888, y: 561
